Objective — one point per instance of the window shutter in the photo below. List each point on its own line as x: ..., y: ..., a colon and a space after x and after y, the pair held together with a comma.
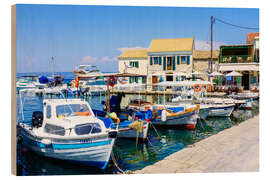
x: 151, y: 60
x: 173, y: 63
x: 188, y: 59
x: 143, y: 80
x: 164, y: 63
x: 159, y: 60
x: 136, y: 79
x: 129, y: 80
x: 178, y: 60
x: 137, y: 64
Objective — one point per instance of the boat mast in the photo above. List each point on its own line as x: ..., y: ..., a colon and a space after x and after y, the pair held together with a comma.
x: 211, y: 61
x: 52, y: 66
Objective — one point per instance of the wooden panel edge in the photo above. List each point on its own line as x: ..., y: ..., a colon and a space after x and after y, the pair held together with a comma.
x: 13, y: 92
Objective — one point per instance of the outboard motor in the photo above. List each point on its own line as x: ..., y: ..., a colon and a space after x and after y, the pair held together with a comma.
x: 37, y: 119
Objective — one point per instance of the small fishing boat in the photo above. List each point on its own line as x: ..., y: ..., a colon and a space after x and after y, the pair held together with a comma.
x: 221, y: 110
x: 166, y: 115
x: 204, y: 111
x: 246, y: 95
x: 128, y: 127
x: 67, y: 129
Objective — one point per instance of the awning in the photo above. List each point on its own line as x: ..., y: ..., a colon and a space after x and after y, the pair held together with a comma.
x: 239, y: 67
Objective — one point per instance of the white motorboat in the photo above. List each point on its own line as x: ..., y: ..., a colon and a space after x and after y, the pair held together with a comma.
x: 247, y: 95
x: 221, y: 110
x: 86, y: 69
x: 67, y: 129
x: 28, y: 82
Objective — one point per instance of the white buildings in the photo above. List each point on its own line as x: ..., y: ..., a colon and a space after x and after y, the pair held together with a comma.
x: 164, y: 60
x: 133, y: 61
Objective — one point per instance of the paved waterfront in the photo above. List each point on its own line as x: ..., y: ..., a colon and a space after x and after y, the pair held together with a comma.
x: 233, y: 150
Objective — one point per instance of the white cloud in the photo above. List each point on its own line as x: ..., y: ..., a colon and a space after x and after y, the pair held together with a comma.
x: 95, y: 61
x: 205, y: 45
x: 108, y: 59
x: 89, y: 60
x: 125, y: 48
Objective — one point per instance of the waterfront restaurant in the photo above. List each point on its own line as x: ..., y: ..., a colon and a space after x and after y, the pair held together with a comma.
x: 168, y: 58
x: 240, y: 58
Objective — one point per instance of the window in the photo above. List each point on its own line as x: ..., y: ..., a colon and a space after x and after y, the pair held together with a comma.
x: 53, y: 129
x: 143, y: 80
x: 134, y: 64
x: 169, y: 78
x: 48, y: 112
x: 87, y: 128
x: 72, y: 110
x: 156, y: 60
x: 183, y: 59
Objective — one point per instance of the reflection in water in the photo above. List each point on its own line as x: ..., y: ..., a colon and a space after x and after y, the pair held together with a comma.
x: 128, y: 155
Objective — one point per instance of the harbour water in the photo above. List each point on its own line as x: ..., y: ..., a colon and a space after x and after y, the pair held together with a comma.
x: 129, y: 156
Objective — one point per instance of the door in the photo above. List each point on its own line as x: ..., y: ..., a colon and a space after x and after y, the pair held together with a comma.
x: 169, y: 63
x: 245, y: 80
x: 154, y: 81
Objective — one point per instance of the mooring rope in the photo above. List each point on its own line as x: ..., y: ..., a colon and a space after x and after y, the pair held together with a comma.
x: 155, y: 129
x: 201, y: 123
x: 115, y: 163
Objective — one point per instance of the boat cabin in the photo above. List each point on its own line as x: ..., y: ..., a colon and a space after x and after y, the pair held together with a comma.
x: 66, y: 117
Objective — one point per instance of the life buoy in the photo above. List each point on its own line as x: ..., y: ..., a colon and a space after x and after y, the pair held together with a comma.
x: 111, y: 81
x: 208, y: 88
x: 197, y: 87
x: 123, y: 81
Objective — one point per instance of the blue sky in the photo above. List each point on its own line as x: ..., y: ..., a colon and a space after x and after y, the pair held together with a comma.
x: 97, y: 34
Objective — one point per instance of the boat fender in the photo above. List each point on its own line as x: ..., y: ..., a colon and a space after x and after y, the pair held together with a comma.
x: 164, y: 115
x: 46, y: 141
x: 76, y: 83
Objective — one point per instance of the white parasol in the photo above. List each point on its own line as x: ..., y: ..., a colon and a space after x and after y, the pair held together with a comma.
x: 216, y: 74
x: 234, y: 73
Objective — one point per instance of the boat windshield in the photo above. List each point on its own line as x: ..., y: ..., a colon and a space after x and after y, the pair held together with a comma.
x: 72, y: 110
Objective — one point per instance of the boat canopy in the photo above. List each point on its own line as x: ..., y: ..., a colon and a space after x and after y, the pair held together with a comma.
x: 239, y: 67
x: 183, y: 83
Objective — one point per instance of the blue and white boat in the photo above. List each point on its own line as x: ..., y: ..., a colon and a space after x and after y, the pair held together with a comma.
x: 128, y: 127
x: 166, y: 115
x: 28, y: 82
x: 223, y: 110
x: 67, y: 129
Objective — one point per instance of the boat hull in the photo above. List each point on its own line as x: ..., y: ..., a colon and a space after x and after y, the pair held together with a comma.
x: 129, y: 133
x: 93, y: 152
x: 221, y: 111
x: 203, y: 113
x: 187, y: 120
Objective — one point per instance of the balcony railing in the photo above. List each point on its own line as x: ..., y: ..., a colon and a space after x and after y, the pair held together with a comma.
x: 237, y: 59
